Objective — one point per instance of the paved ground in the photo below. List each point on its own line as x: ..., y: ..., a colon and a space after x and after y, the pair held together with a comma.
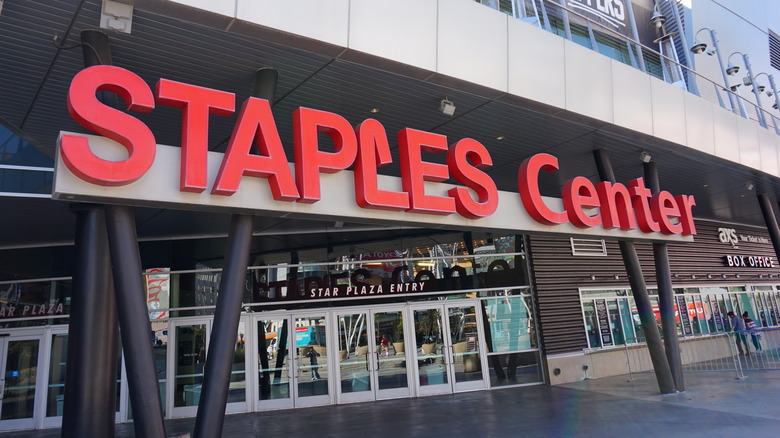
x: 715, y: 404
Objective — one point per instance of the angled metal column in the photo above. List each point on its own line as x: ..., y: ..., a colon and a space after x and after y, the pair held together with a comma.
x: 134, y: 322
x: 663, y: 276
x: 219, y: 358
x: 643, y: 306
x: 93, y: 350
x: 771, y: 221
x: 90, y: 381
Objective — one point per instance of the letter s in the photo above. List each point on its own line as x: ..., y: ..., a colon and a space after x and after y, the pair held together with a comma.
x: 109, y: 122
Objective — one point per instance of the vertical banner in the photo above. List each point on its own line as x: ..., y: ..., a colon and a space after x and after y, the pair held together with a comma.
x: 682, y: 311
x: 158, y: 291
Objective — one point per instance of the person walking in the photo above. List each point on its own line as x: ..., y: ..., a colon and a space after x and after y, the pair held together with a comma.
x: 750, y: 325
x: 738, y: 327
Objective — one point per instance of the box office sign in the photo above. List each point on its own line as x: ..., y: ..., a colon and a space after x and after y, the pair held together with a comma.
x: 123, y: 164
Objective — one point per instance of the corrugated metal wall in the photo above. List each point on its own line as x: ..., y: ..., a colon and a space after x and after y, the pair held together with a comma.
x: 558, y: 275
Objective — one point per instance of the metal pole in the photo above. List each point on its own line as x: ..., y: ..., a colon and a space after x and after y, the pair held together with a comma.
x: 219, y: 359
x: 732, y: 102
x: 771, y: 221
x: 759, y: 110
x: 655, y: 347
x: 777, y: 101
x: 134, y: 322
x: 93, y: 355
x: 635, y: 35
x: 663, y: 277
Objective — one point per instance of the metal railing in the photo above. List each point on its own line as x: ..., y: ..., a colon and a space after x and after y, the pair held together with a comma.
x: 553, y: 17
x: 732, y: 352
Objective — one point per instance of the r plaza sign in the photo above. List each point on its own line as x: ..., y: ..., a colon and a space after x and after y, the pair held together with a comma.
x: 730, y: 236
x: 123, y: 164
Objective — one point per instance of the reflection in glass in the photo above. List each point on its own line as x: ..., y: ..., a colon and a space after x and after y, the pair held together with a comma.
x: 465, y: 344
x: 354, y: 363
x: 430, y: 347
x: 190, y: 358
x: 311, y: 347
x: 274, y: 359
x: 522, y: 367
x: 20, y: 372
x: 391, y: 366
x: 57, y: 362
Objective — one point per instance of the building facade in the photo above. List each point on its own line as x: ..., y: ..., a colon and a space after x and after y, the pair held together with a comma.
x: 426, y: 215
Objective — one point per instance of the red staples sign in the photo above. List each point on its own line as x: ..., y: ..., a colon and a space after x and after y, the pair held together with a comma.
x: 124, y: 164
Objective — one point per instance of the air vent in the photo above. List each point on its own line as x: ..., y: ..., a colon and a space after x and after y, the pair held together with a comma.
x: 588, y: 247
x: 774, y: 50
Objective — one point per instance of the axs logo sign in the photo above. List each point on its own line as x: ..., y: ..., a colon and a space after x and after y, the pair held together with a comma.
x: 728, y: 235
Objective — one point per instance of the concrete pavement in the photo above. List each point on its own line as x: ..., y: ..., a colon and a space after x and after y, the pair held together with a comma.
x: 715, y: 404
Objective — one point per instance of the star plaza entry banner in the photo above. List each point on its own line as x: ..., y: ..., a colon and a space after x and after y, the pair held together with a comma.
x: 123, y: 164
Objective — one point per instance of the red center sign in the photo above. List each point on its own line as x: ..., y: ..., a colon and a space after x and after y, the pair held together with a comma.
x: 421, y: 198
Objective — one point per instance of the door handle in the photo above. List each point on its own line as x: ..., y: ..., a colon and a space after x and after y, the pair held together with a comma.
x: 377, y: 360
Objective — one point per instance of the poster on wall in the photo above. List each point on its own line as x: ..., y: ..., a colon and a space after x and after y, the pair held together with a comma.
x: 614, y: 16
x: 605, y: 330
x: 158, y: 286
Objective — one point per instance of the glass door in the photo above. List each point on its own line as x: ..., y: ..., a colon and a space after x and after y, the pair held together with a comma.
x: 465, y: 361
x: 187, y: 362
x: 274, y: 379
x: 448, y: 348
x: 20, y: 359
x: 310, y: 362
x: 371, y: 355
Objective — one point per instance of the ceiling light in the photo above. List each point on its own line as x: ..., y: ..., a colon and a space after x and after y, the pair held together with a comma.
x: 723, y: 276
x: 617, y: 277
x: 749, y: 185
x: 658, y: 19
x: 592, y: 277
x: 698, y: 47
x: 447, y: 107
x: 374, y: 110
x: 709, y: 275
x: 501, y: 137
x: 732, y: 69
x: 693, y: 276
x: 645, y: 157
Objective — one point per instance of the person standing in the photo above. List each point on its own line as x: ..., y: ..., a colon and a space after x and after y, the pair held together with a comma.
x: 750, y: 325
x: 738, y: 327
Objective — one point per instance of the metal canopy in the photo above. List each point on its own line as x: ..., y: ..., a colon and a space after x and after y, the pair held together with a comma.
x: 36, y: 46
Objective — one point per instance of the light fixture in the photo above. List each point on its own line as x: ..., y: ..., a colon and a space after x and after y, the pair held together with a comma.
x: 723, y: 275
x: 771, y: 275
x: 709, y: 275
x: 760, y: 275
x: 658, y: 19
x: 676, y: 275
x: 732, y: 69
x: 616, y: 277
x: 736, y: 275
x: 374, y: 110
x: 501, y: 137
x: 734, y: 87
x: 645, y: 157
x: 761, y: 88
x: 693, y: 276
x: 592, y: 277
x: 698, y: 47
x: 774, y: 105
x: 447, y: 107
x: 749, y: 185
x: 747, y: 80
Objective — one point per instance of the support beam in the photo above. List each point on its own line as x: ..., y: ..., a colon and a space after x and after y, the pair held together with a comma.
x: 134, y: 322
x: 93, y: 353
x: 771, y: 221
x: 663, y: 277
x: 219, y: 358
x: 90, y: 382
x: 663, y: 373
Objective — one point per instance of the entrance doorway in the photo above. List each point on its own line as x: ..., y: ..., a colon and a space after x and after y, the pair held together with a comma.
x: 20, y: 360
x: 187, y: 359
x: 292, y: 360
x: 372, y: 362
x: 448, y: 357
